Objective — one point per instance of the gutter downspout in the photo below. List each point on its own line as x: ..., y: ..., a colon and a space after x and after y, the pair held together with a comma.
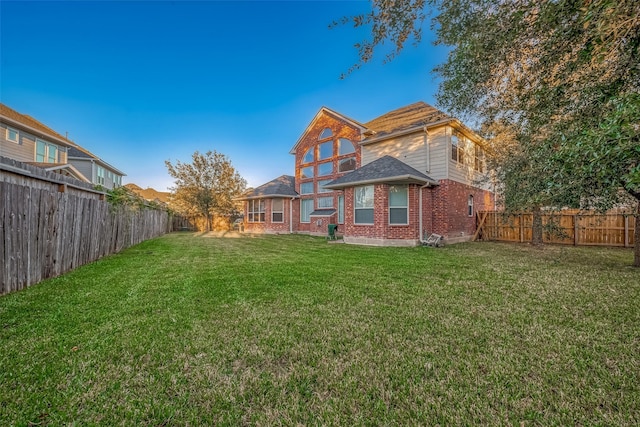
x: 421, y: 237
x: 420, y: 233
x: 291, y: 215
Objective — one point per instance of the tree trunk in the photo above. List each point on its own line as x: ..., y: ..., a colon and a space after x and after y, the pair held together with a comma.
x: 208, y: 220
x: 636, y: 239
x: 536, y: 229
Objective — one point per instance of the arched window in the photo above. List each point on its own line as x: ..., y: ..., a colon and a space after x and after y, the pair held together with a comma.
x: 308, y: 156
x: 345, y: 147
x: 326, y: 133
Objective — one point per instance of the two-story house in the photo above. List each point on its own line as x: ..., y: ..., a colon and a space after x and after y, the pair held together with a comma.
x: 391, y: 181
x: 27, y: 140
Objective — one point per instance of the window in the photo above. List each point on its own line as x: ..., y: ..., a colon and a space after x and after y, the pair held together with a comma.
x: 470, y: 205
x: 306, y: 187
x: 325, y: 168
x: 457, y: 149
x: 323, y: 183
x: 308, y: 156
x: 345, y: 147
x: 364, y: 205
x: 398, y: 204
x: 46, y: 152
x: 346, y: 165
x: 306, y: 207
x: 326, y: 133
x: 256, y: 210
x: 325, y: 202
x: 340, y: 209
x: 12, y: 135
x: 325, y: 150
x: 100, y: 175
x: 479, y: 158
x: 277, y: 210
x: 306, y: 172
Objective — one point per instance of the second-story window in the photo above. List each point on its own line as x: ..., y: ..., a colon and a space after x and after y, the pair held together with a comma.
x: 479, y: 158
x: 308, y: 156
x: 345, y: 146
x: 306, y: 187
x: 457, y: 149
x: 46, y: 152
x: 306, y: 172
x: 346, y: 165
x: 325, y: 150
x: 100, y: 175
x: 325, y: 169
x: 12, y: 135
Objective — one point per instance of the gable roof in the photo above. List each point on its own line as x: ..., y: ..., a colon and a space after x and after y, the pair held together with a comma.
x: 386, y: 169
x: 283, y: 186
x: 417, y: 115
x: 32, y: 124
x: 325, y: 110
x: 74, y: 150
x: 62, y: 168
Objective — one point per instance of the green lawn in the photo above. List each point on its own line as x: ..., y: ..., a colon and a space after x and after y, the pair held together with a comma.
x: 186, y: 330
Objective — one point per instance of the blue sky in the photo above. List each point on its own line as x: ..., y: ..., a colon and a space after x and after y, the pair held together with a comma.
x: 138, y: 83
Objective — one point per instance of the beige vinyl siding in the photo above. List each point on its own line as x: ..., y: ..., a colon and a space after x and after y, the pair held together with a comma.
x: 464, y: 173
x: 23, y: 152
x: 438, y: 153
x: 410, y: 149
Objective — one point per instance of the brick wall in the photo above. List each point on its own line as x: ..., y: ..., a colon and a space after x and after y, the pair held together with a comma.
x: 268, y: 226
x: 450, y: 210
x: 340, y: 129
x: 381, y: 229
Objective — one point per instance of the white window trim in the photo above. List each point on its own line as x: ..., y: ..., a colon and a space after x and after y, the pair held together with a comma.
x: 10, y: 129
x: 325, y: 198
x: 47, y: 146
x: 252, y: 211
x: 470, y: 206
x: 330, y: 162
x: 406, y: 187
x: 331, y: 154
x: 275, y: 211
x: 355, y: 209
x: 341, y: 209
x: 301, y: 203
x: 306, y: 183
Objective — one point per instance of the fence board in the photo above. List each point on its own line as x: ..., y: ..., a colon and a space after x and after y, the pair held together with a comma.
x: 587, y: 228
x: 45, y: 232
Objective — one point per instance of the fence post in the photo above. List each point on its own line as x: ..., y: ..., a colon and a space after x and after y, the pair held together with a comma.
x: 626, y: 230
x: 521, y: 228
x: 576, y: 233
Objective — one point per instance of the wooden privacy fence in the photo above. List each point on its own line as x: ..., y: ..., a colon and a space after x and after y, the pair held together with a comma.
x: 569, y: 228
x: 49, y: 226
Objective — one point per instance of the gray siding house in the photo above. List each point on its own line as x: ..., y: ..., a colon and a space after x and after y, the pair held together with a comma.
x: 27, y: 140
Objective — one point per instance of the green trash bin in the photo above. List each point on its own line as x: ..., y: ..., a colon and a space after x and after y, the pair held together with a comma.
x: 331, y: 232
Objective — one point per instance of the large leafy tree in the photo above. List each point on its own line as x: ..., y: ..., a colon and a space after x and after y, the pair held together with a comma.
x: 207, y: 185
x: 553, y: 83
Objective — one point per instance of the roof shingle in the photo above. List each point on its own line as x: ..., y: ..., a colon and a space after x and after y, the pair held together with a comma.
x: 283, y: 186
x: 385, y: 169
x: 417, y: 114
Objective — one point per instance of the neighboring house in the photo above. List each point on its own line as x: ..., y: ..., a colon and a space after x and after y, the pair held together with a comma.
x: 97, y: 170
x: 391, y: 181
x: 27, y: 140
